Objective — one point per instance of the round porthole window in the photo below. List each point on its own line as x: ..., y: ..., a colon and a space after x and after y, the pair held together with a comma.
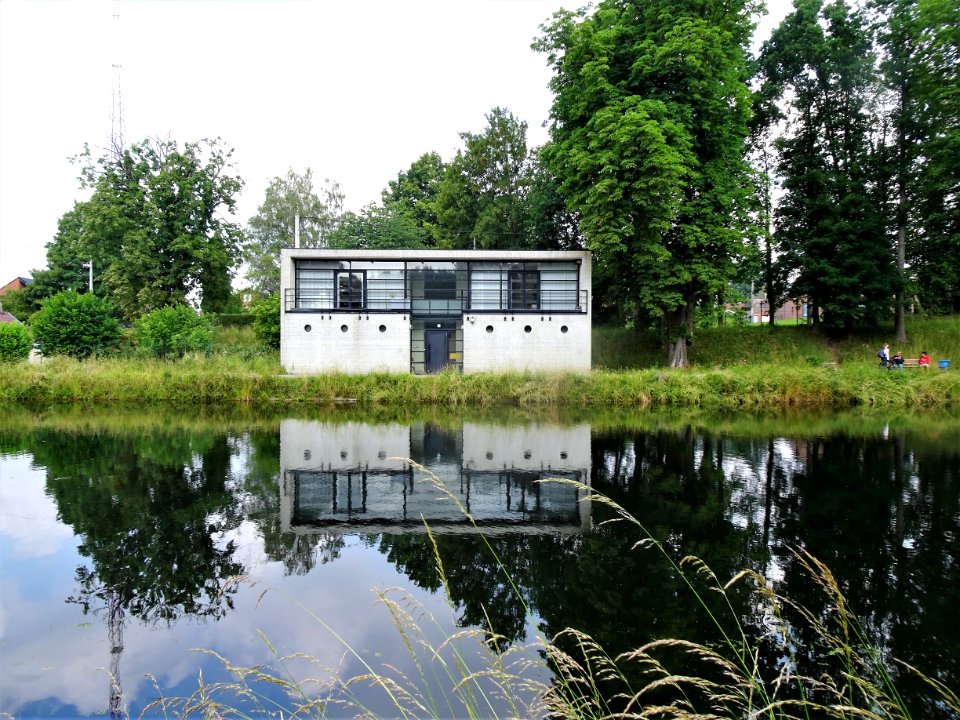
x: 383, y: 328
x: 563, y: 328
x: 343, y: 328
x: 307, y: 328
x: 527, y: 328
x: 489, y: 328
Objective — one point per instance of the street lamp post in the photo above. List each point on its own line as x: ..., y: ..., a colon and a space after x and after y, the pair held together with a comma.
x: 89, y: 265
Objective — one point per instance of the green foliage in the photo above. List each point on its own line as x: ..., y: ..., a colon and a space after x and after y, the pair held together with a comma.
x: 266, y: 323
x: 272, y: 226
x: 482, y: 199
x: 647, y: 145
x: 172, y: 332
x: 77, y: 325
x: 414, y: 193
x: 15, y: 342
x: 234, y: 319
x: 819, y: 65
x: 377, y: 228
x: 18, y: 304
x: 155, y: 225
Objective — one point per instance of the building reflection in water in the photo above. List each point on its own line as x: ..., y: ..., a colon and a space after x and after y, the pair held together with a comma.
x: 354, y: 477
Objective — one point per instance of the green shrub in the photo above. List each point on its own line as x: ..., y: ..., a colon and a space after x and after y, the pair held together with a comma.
x: 15, y: 342
x: 235, y: 319
x: 78, y: 325
x: 172, y: 332
x: 266, y: 323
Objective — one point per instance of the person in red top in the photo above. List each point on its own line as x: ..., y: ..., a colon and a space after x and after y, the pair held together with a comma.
x: 924, y: 360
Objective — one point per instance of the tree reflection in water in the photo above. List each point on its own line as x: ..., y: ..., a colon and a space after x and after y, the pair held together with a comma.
x: 152, y: 511
x: 156, y: 511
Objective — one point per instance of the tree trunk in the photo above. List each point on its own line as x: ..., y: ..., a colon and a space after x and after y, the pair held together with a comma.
x: 680, y: 327
x: 899, y: 323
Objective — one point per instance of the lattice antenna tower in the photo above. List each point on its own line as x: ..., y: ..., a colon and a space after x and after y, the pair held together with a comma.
x: 116, y: 108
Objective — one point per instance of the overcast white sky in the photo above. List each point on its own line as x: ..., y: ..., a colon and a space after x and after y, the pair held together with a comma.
x: 356, y: 90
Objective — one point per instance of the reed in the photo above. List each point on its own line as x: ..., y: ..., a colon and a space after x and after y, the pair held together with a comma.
x: 734, y: 368
x: 233, y: 381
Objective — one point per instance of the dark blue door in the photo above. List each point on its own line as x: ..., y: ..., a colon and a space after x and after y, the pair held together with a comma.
x: 437, y: 345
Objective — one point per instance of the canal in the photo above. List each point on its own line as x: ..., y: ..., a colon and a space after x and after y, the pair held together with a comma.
x: 142, y: 553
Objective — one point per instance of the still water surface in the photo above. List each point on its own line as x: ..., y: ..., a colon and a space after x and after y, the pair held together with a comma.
x: 122, y: 539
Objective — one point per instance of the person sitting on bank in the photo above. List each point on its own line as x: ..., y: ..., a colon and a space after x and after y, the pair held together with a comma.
x: 897, y: 360
x: 924, y: 360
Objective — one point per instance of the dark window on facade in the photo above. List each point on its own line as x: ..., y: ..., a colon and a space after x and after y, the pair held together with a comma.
x: 350, y: 289
x: 524, y: 289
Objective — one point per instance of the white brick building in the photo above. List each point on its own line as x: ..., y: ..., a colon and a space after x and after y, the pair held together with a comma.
x: 420, y: 311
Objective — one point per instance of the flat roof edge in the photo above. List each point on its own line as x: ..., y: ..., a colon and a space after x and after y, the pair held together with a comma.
x: 403, y: 254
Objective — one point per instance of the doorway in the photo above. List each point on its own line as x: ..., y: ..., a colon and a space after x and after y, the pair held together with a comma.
x: 437, y: 350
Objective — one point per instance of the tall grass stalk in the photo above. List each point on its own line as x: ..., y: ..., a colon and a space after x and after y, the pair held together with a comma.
x: 730, y: 681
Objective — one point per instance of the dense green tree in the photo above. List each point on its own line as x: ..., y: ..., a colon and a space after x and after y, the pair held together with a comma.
x: 830, y: 226
x: 935, y: 252
x: 155, y: 224
x: 377, y: 228
x: 920, y: 52
x: 481, y: 201
x: 551, y: 225
x: 15, y: 342
x: 266, y: 320
x: 273, y: 225
x: 67, y: 254
x: 172, y: 332
x: 415, y: 191
x: 647, y: 140
x: 77, y: 325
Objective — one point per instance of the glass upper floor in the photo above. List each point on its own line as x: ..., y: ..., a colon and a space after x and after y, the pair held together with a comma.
x: 433, y: 287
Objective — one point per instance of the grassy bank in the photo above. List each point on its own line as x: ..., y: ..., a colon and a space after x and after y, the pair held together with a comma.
x: 733, y: 367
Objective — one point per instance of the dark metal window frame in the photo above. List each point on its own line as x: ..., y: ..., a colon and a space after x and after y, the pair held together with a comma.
x: 528, y: 299
x: 523, y: 288
x: 351, y: 302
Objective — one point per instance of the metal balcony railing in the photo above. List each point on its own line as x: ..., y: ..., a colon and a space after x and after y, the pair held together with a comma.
x: 479, y: 301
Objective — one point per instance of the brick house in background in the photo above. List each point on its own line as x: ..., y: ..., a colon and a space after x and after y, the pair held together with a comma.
x: 18, y: 283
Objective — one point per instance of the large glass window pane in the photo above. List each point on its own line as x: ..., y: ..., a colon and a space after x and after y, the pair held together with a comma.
x: 524, y: 289
x: 386, y: 289
x: 350, y: 289
x: 314, y: 284
x: 488, y: 287
x: 558, y: 286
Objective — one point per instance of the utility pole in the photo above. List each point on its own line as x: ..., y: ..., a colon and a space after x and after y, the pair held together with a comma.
x: 89, y: 265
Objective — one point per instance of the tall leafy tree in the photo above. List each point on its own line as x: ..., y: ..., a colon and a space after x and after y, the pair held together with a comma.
x: 920, y: 41
x: 830, y: 224
x: 647, y: 140
x: 273, y: 225
x: 158, y: 218
x: 67, y: 253
x: 482, y: 198
x: 414, y: 194
x: 551, y: 225
x: 377, y: 228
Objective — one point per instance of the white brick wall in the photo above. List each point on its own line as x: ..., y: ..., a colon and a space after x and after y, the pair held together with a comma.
x: 362, y: 348
x: 508, y: 346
